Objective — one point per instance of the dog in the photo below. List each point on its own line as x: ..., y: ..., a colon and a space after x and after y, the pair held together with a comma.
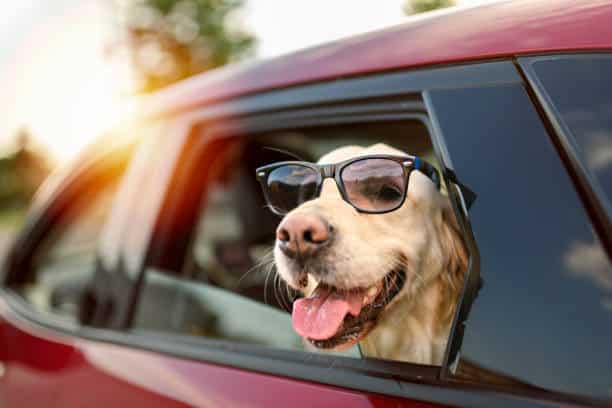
x: 393, y: 279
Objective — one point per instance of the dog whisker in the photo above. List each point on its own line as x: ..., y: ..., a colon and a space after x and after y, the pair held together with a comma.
x: 267, y: 207
x: 275, y: 288
x: 270, y: 269
x: 262, y: 263
x: 289, y: 296
x: 284, y: 300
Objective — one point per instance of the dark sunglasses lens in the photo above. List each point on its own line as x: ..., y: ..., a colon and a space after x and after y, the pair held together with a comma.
x: 374, y: 184
x: 291, y: 185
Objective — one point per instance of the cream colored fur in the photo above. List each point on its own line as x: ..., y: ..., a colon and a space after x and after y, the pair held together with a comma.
x: 421, y: 236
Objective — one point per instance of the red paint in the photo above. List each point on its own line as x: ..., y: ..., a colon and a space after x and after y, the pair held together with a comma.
x: 497, y: 30
x: 46, y: 369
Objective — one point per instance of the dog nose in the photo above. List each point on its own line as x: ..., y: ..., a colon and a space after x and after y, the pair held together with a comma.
x: 302, y: 234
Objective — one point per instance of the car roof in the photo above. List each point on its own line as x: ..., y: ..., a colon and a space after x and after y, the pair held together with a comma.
x: 447, y: 36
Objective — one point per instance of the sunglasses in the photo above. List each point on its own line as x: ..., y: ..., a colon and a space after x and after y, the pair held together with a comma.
x: 374, y: 184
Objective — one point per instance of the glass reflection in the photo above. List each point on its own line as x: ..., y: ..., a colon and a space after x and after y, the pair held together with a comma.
x: 539, y: 316
x: 585, y: 105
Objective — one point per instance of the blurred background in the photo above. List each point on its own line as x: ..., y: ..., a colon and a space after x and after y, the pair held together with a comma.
x: 69, y: 68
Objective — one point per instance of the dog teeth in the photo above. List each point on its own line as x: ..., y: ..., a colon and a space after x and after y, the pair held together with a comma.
x: 370, y: 295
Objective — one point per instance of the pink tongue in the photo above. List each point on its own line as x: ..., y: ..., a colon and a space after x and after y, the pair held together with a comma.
x: 320, y: 316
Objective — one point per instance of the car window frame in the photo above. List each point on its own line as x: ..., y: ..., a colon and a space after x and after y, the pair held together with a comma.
x: 231, y: 116
x: 203, y: 136
x: 591, y: 195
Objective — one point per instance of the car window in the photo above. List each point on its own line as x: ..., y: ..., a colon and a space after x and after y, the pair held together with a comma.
x: 543, y: 316
x: 580, y: 88
x: 65, y: 261
x: 221, y: 283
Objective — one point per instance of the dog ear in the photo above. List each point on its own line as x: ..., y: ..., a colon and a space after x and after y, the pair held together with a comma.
x: 455, y: 261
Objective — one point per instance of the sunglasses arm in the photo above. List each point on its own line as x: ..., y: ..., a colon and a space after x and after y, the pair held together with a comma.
x: 427, y: 169
x: 469, y: 196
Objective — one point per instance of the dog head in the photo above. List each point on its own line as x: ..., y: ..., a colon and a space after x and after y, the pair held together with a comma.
x: 354, y: 267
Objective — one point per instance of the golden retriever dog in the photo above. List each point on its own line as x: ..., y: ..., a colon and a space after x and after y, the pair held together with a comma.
x: 388, y: 281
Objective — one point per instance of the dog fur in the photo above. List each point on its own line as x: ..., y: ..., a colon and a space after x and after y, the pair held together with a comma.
x: 421, y: 237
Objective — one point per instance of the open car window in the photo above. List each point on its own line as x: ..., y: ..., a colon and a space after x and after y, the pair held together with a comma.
x: 219, y: 281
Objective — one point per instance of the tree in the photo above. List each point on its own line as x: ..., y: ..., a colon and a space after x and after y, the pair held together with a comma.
x: 21, y: 172
x: 168, y: 40
x: 422, y: 6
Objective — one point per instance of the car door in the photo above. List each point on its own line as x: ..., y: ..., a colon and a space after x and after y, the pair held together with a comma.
x: 204, y: 297
x: 52, y: 292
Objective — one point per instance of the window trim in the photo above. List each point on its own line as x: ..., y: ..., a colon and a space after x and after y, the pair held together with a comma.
x: 473, y: 281
x: 563, y: 140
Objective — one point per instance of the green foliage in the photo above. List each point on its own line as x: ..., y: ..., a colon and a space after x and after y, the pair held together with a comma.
x: 168, y: 40
x: 21, y: 173
x: 422, y: 6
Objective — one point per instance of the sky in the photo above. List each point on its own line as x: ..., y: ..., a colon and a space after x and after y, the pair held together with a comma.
x: 57, y: 81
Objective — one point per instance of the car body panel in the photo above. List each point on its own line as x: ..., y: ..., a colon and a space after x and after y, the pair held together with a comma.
x: 497, y: 30
x: 44, y: 368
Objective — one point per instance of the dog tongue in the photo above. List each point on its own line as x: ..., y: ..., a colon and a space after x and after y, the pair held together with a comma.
x: 320, y: 315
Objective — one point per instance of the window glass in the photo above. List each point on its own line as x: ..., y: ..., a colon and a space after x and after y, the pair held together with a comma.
x: 543, y: 317
x: 580, y: 88
x: 225, y: 286
x: 65, y: 262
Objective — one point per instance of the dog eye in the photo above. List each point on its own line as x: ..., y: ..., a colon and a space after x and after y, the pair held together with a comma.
x: 389, y: 192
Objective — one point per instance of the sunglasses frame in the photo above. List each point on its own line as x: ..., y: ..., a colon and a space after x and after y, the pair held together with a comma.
x: 334, y: 170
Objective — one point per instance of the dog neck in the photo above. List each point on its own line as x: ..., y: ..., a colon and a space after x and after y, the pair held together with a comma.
x: 415, y: 332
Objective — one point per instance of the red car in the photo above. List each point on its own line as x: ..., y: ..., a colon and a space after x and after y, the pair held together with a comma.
x: 142, y: 276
